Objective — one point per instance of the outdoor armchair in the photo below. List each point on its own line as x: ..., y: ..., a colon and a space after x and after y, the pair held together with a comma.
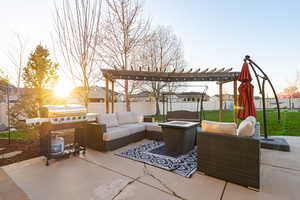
x: 232, y: 158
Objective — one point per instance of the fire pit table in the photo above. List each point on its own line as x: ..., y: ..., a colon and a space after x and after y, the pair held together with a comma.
x: 179, y: 136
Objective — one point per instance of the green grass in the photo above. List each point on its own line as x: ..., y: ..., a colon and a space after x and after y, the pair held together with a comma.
x: 289, y: 124
x: 23, y: 134
x: 18, y: 134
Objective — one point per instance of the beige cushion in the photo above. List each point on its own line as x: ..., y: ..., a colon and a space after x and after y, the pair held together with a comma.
x: 134, y: 128
x: 110, y: 120
x: 247, y: 127
x: 219, y: 127
x: 115, y: 133
x: 126, y: 118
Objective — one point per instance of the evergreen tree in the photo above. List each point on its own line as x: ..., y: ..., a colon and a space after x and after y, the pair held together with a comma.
x: 40, y: 71
x: 39, y: 74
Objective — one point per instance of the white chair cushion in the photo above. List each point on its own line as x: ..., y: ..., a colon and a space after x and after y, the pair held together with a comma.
x: 134, y: 128
x: 219, y: 127
x: 246, y: 128
x: 115, y: 133
x: 126, y: 118
x: 110, y: 120
x: 253, y: 120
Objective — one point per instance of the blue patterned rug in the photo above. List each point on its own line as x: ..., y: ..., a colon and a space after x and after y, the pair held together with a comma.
x: 154, y: 153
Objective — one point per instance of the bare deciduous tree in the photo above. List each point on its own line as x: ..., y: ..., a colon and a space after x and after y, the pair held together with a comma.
x: 16, y: 55
x: 162, y: 52
x: 124, y: 30
x: 77, y: 24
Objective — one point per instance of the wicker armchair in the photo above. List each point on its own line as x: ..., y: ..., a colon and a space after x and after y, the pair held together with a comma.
x: 231, y: 158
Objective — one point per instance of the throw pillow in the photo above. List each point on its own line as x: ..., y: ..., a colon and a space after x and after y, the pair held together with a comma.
x: 110, y: 120
x: 126, y: 118
x: 246, y: 128
x: 253, y: 121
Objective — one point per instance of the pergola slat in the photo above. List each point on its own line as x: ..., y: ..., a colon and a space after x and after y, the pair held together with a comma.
x: 212, y: 71
x: 204, y: 71
x: 228, y: 70
x: 198, y: 70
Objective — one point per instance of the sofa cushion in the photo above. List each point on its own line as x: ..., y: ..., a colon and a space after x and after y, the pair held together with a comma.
x: 219, y: 127
x: 138, y: 117
x: 110, y: 120
x: 115, y: 133
x: 126, y: 118
x: 152, y: 126
x: 247, y: 127
x: 134, y: 128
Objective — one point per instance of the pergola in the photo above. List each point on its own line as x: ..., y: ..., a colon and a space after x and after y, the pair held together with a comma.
x: 220, y: 76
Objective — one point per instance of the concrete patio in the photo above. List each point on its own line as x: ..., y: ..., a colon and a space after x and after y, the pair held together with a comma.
x: 104, y: 176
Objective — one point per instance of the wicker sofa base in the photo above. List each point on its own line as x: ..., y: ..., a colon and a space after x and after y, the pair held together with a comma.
x: 120, y: 142
x: 95, y: 138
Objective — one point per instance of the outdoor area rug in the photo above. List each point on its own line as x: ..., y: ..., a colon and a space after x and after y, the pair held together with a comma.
x: 154, y: 153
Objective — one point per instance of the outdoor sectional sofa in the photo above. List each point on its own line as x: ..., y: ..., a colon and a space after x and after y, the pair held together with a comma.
x: 112, y: 131
x: 230, y: 157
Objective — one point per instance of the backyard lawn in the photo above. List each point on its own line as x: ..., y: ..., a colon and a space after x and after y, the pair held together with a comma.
x: 19, y: 134
x: 288, y: 126
x: 23, y: 134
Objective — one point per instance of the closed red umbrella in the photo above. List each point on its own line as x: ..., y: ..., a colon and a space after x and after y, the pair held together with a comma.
x: 246, y: 89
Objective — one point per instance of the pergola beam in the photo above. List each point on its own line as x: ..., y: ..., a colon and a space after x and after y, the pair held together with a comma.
x: 173, y: 76
x: 112, y: 96
x: 106, y: 95
x: 221, y: 116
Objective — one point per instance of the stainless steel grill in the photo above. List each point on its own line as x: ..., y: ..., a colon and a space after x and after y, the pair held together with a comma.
x: 59, y: 114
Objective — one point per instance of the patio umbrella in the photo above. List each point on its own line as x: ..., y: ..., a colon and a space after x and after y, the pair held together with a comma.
x: 246, y: 102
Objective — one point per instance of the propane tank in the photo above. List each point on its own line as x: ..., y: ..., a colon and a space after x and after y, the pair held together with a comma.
x: 57, y: 145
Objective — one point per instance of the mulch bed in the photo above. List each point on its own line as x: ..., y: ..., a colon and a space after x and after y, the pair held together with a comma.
x: 30, y: 148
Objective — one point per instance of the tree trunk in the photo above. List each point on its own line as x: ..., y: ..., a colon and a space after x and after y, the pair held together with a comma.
x: 86, y: 91
x: 39, y: 102
x: 128, y: 109
x: 157, y: 106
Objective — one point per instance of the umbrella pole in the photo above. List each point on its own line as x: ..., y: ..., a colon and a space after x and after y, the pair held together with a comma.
x: 264, y: 109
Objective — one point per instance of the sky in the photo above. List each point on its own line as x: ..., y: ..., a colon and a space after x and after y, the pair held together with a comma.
x: 213, y: 33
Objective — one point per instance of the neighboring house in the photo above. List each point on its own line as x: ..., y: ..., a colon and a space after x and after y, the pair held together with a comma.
x: 189, y: 97
x: 96, y: 95
x: 12, y: 92
x: 3, y: 102
x: 182, y: 97
x: 142, y: 97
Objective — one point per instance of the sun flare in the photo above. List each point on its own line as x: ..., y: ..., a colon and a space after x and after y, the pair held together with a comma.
x: 63, y: 88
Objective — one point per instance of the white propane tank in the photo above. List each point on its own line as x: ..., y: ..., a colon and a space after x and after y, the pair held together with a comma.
x: 57, y: 145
